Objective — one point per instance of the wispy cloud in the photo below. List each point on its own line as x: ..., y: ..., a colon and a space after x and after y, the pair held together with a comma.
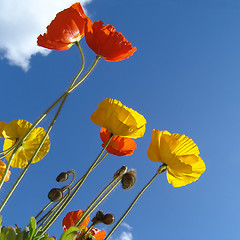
x: 124, y: 224
x: 125, y: 236
x: 20, y: 24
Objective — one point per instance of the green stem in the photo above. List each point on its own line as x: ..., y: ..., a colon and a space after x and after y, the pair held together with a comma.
x: 160, y: 170
x: 78, y: 185
x: 70, y: 89
x: 91, y: 207
x: 43, y: 210
x: 9, y: 149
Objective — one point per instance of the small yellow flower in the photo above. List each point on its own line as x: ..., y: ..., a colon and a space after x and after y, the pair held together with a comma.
x: 180, y: 153
x: 14, y: 131
x: 2, y: 170
x: 119, y: 119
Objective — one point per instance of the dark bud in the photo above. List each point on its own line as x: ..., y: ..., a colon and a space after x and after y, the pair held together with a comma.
x: 129, y: 179
x: 55, y: 195
x: 62, y: 177
x: 99, y: 217
x: 121, y: 171
x: 108, y: 219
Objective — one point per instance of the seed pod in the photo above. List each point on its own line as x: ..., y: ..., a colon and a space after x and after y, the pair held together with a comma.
x: 55, y: 195
x: 121, y: 171
x: 62, y: 177
x: 108, y: 219
x: 129, y: 179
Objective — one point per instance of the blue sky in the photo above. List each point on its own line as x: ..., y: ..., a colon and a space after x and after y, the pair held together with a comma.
x: 184, y: 78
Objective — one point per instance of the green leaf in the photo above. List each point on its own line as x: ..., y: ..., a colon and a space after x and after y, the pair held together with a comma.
x: 8, y: 233
x: 70, y: 234
x: 32, y: 227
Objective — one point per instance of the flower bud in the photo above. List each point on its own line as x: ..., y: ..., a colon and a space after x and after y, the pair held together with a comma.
x: 62, y: 177
x: 99, y: 217
x: 55, y: 195
x: 108, y: 219
x: 121, y: 171
x: 129, y: 179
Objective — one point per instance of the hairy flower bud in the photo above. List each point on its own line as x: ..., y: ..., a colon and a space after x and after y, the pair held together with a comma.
x: 62, y: 177
x: 108, y: 219
x: 55, y: 194
x: 121, y: 171
x: 129, y: 179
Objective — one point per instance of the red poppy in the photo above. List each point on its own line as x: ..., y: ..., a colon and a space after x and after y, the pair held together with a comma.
x: 66, y: 29
x: 107, y: 43
x: 72, y: 217
x: 120, y: 146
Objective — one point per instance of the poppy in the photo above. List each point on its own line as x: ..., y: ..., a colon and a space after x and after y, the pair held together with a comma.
x: 119, y: 119
x: 66, y: 29
x: 2, y: 170
x: 180, y: 153
x: 106, y: 42
x: 16, y: 130
x: 120, y: 146
x: 2, y: 125
x: 72, y: 217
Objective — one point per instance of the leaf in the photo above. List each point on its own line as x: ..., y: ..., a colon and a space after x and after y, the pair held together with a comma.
x: 32, y: 227
x: 70, y: 234
x: 8, y: 233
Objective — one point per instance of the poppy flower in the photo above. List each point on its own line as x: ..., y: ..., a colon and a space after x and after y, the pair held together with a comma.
x: 16, y: 130
x: 107, y: 43
x: 119, y: 119
x: 2, y: 170
x: 180, y: 153
x: 2, y: 125
x: 66, y: 29
x: 72, y: 217
x: 120, y: 146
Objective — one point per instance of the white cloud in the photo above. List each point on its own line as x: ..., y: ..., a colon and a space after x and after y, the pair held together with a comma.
x: 126, y: 236
x: 124, y: 224
x: 21, y: 21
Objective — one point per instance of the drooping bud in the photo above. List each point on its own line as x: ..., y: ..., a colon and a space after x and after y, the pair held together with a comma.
x: 121, y: 171
x: 62, y: 177
x: 129, y: 179
x: 108, y: 219
x: 99, y: 217
x: 55, y: 194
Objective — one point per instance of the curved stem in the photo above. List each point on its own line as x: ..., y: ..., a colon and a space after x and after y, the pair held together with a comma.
x: 160, y: 170
x: 70, y: 89
x: 91, y: 207
x: 78, y: 185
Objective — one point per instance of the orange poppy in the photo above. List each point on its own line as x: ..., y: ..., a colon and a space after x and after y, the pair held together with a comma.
x: 66, y: 29
x: 72, y: 217
x: 120, y: 146
x: 107, y: 43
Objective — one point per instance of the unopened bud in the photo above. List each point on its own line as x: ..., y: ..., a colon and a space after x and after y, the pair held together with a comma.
x: 121, y: 171
x: 129, y: 179
x: 62, y: 177
x: 99, y: 217
x: 108, y: 219
x: 55, y: 194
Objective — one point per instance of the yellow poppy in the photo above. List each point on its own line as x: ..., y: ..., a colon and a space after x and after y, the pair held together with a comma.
x: 2, y: 125
x: 119, y: 119
x: 2, y: 170
x: 180, y: 153
x: 14, y: 131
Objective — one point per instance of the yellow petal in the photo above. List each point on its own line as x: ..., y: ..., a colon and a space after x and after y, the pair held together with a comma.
x: 2, y: 126
x: 119, y: 119
x: 16, y: 130
x: 2, y: 170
